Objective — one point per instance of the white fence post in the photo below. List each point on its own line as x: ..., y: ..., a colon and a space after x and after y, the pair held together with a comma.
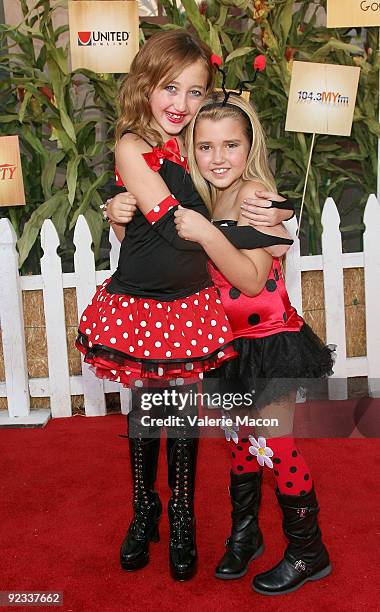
x: 59, y: 385
x: 334, y: 297
x: 293, y: 267
x: 51, y: 270
x: 125, y: 394
x: 12, y: 325
x: 372, y: 292
x: 84, y: 264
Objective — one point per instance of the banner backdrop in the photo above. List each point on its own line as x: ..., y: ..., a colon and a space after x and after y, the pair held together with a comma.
x: 11, y: 182
x: 351, y: 13
x: 104, y: 36
x: 322, y: 98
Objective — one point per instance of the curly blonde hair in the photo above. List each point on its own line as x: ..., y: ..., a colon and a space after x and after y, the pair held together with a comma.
x: 257, y: 166
x: 158, y: 62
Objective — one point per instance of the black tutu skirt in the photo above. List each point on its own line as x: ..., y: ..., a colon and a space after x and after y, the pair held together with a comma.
x: 274, y: 366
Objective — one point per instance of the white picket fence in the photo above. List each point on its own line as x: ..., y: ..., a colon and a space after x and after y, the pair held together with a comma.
x: 60, y: 386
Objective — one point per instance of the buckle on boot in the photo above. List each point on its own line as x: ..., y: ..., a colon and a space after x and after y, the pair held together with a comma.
x: 302, y: 512
x: 300, y: 566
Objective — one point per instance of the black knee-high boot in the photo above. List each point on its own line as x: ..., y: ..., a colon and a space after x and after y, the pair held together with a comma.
x: 182, y: 460
x: 246, y: 540
x: 134, y: 551
x: 306, y: 557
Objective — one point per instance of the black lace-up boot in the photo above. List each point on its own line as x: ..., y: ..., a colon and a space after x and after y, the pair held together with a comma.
x: 306, y: 557
x: 182, y: 459
x: 246, y: 541
x: 134, y: 552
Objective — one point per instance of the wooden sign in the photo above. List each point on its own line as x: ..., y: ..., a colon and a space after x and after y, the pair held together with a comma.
x: 322, y: 98
x: 11, y: 181
x: 351, y: 13
x: 104, y: 36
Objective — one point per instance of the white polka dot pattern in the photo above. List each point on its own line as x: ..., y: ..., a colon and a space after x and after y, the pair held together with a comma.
x: 154, y: 339
x: 161, y: 209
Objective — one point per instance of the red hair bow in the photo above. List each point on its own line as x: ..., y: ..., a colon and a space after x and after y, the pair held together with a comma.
x: 169, y: 150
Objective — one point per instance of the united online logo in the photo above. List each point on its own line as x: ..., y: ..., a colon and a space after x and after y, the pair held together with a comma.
x: 105, y: 38
x: 84, y: 39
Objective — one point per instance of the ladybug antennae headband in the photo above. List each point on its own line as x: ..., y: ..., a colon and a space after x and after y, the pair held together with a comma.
x: 258, y: 65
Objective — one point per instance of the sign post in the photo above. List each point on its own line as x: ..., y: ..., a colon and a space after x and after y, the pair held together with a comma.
x: 351, y: 14
x: 321, y: 101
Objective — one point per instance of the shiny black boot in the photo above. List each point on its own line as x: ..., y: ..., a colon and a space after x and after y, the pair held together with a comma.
x: 306, y: 557
x: 246, y: 540
x: 182, y: 459
x: 134, y: 551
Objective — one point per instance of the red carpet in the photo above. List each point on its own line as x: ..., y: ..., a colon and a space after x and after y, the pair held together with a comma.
x: 65, y: 508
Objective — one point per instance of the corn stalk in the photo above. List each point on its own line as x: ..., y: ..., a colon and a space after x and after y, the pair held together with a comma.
x: 285, y: 30
x: 65, y: 119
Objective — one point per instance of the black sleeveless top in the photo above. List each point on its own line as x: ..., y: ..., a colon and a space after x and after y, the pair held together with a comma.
x: 154, y: 262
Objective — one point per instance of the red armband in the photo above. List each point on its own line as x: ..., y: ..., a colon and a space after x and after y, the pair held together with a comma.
x: 161, y: 209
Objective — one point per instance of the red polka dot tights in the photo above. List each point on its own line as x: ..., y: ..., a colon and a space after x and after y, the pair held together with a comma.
x: 289, y: 467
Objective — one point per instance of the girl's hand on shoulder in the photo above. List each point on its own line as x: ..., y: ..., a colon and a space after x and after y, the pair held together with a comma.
x: 191, y: 225
x: 121, y: 208
x: 257, y: 209
x: 266, y: 225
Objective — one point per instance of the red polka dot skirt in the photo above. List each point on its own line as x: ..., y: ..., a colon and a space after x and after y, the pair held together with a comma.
x: 128, y: 339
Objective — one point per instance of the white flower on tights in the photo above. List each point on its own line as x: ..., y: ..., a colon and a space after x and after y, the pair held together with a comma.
x: 261, y: 451
x: 230, y: 431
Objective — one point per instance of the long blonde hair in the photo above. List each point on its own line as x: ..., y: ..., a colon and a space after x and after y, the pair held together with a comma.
x: 158, y: 62
x: 257, y: 166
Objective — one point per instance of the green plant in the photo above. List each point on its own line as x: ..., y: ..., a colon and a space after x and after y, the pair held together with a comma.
x: 65, y: 119
x: 285, y: 30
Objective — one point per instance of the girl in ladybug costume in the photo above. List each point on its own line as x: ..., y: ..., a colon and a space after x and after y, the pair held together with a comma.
x: 158, y: 322
x: 276, y: 349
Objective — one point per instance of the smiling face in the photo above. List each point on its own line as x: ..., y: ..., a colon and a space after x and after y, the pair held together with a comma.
x: 221, y: 150
x: 174, y: 104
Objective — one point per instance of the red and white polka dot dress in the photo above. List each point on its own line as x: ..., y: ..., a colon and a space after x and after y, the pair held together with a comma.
x: 128, y: 339
x: 171, y: 337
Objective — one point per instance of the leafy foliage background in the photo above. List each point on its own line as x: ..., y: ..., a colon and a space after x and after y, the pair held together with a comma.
x: 65, y: 119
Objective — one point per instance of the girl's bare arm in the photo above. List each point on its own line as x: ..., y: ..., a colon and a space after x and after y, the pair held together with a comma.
x: 245, y: 270
x: 119, y: 230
